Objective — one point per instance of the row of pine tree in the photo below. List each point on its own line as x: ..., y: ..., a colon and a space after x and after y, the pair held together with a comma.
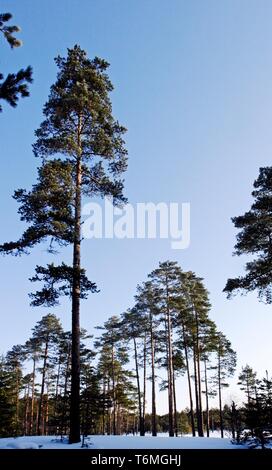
x: 167, y: 333
x: 112, y: 401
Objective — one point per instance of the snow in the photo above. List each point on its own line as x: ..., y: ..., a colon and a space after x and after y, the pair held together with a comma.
x: 119, y: 442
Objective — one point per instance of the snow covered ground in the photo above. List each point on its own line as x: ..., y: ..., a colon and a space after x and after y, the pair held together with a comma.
x: 119, y: 442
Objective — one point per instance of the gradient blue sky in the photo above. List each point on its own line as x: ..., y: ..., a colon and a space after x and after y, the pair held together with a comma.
x: 193, y: 85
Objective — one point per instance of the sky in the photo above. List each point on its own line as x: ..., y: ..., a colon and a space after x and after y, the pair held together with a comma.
x: 193, y: 87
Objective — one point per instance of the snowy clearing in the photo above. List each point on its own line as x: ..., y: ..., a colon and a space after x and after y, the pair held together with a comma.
x: 119, y: 442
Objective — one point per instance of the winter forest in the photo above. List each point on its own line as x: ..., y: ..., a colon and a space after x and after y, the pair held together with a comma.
x: 74, y: 384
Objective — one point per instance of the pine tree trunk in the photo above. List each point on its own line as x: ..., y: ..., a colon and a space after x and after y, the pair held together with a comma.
x: 220, y: 396
x: 170, y: 363
x: 200, y: 418
x: 40, y: 411
x: 17, y: 400
x: 63, y: 425
x: 75, y: 374
x: 33, y: 395
x: 118, y: 420
x: 201, y: 431
x: 196, y: 390
x: 46, y: 411
x: 207, y: 400
x: 57, y: 389
x: 109, y: 411
x: 37, y: 416
x: 144, y: 388
x: 26, y: 411
x: 134, y: 425
x: 113, y: 392
x: 138, y: 387
x: 233, y: 420
x: 104, y: 406
x: 175, y: 406
x: 188, y: 380
x: 153, y: 378
x: 248, y: 392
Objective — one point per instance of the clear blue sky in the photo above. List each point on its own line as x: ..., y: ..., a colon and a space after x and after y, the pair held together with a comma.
x: 193, y: 85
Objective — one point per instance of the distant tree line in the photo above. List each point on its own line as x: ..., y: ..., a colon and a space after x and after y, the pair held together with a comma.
x: 165, y: 334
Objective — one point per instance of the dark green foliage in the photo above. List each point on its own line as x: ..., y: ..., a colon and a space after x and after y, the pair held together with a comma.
x: 183, y: 423
x: 15, y: 84
x: 48, y: 208
x: 255, y: 238
x: 80, y: 96
x: 258, y: 414
x: 8, y: 30
x: 58, y: 282
x: 7, y: 401
x: 117, y: 380
x: 248, y: 382
x: 225, y: 367
x: 92, y: 404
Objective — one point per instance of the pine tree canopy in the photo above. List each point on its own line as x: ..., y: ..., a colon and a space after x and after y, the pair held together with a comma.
x: 58, y: 282
x: 79, y: 124
x: 8, y: 31
x: 255, y: 237
x: 79, y: 121
x: 15, y: 84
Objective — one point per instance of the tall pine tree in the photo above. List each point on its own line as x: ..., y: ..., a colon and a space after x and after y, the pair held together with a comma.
x: 83, y: 154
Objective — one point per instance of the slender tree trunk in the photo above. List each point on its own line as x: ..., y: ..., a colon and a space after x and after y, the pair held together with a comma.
x: 26, y: 427
x: 134, y: 424
x: 233, y: 421
x: 65, y: 390
x: 118, y: 421
x: 207, y: 400
x: 113, y: 391
x: 153, y: 378
x: 40, y: 411
x: 46, y: 411
x: 196, y: 390
x: 138, y: 387
x: 37, y: 416
x: 200, y: 427
x: 57, y: 389
x: 144, y: 388
x: 75, y: 376
x: 104, y: 406
x: 109, y: 412
x: 212, y: 420
x: 33, y: 395
x: 127, y: 423
x: 248, y: 392
x: 201, y: 433
x: 175, y: 406
x: 17, y: 399
x: 188, y: 380
x: 170, y: 363
x: 220, y: 396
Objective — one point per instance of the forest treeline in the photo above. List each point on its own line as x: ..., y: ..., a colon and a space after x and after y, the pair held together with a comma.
x: 165, y: 334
